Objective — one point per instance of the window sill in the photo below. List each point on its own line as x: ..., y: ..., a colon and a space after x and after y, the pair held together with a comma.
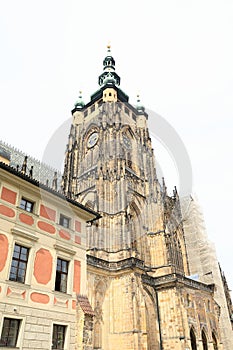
x: 62, y: 294
x: 29, y: 213
x: 19, y: 285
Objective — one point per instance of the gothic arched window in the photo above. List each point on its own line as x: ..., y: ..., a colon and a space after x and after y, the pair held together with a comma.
x: 215, y: 343
x: 204, y: 340
x: 188, y: 300
x: 193, y: 339
x: 175, y: 256
x: 179, y: 257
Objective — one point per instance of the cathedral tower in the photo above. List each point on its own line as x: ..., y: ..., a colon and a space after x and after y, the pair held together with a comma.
x: 137, y: 259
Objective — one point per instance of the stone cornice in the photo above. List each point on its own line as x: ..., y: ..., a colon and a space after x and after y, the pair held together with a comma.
x: 113, y: 266
x: 174, y: 280
x: 159, y: 283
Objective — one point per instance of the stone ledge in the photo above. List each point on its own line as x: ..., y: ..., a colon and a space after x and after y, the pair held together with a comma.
x: 175, y: 279
x: 24, y: 234
x: 115, y: 265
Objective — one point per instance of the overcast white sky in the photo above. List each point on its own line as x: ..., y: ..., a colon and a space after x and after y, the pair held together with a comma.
x: 177, y: 53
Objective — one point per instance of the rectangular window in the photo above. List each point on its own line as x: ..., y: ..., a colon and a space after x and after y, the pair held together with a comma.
x: 26, y: 205
x: 19, y: 263
x: 64, y: 221
x: 10, y: 331
x: 58, y: 336
x: 61, y: 275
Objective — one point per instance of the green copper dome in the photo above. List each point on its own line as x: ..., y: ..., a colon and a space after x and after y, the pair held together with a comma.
x: 109, y: 75
x: 79, y: 103
x: 139, y: 106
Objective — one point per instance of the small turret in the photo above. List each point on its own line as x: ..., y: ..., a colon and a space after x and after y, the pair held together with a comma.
x: 164, y: 187
x: 140, y: 108
x: 79, y: 104
x: 109, y: 76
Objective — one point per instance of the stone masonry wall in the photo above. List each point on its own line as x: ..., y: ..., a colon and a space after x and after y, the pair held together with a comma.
x: 37, y: 326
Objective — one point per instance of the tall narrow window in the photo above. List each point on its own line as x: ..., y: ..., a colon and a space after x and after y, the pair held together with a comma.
x: 26, y: 205
x: 215, y: 344
x: 188, y: 299
x: 58, y: 336
x: 193, y: 340
x: 204, y: 340
x: 174, y: 250
x: 10, y: 331
x: 179, y: 254
x: 19, y: 264
x: 61, y: 275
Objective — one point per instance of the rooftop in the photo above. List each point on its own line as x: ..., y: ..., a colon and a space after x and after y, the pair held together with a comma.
x: 37, y: 183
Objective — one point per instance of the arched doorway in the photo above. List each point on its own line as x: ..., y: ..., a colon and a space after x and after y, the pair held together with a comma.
x: 193, y: 339
x: 204, y: 340
x: 215, y: 343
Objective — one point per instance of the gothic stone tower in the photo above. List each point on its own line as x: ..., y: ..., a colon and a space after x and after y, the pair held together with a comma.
x: 136, y: 251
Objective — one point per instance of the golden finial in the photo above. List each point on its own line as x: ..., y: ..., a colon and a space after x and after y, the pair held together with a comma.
x: 109, y: 47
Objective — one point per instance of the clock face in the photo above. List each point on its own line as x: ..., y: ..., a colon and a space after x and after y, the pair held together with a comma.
x: 126, y: 141
x: 92, y: 140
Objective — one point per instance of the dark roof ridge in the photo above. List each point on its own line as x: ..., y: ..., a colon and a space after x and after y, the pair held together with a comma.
x: 35, y: 182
